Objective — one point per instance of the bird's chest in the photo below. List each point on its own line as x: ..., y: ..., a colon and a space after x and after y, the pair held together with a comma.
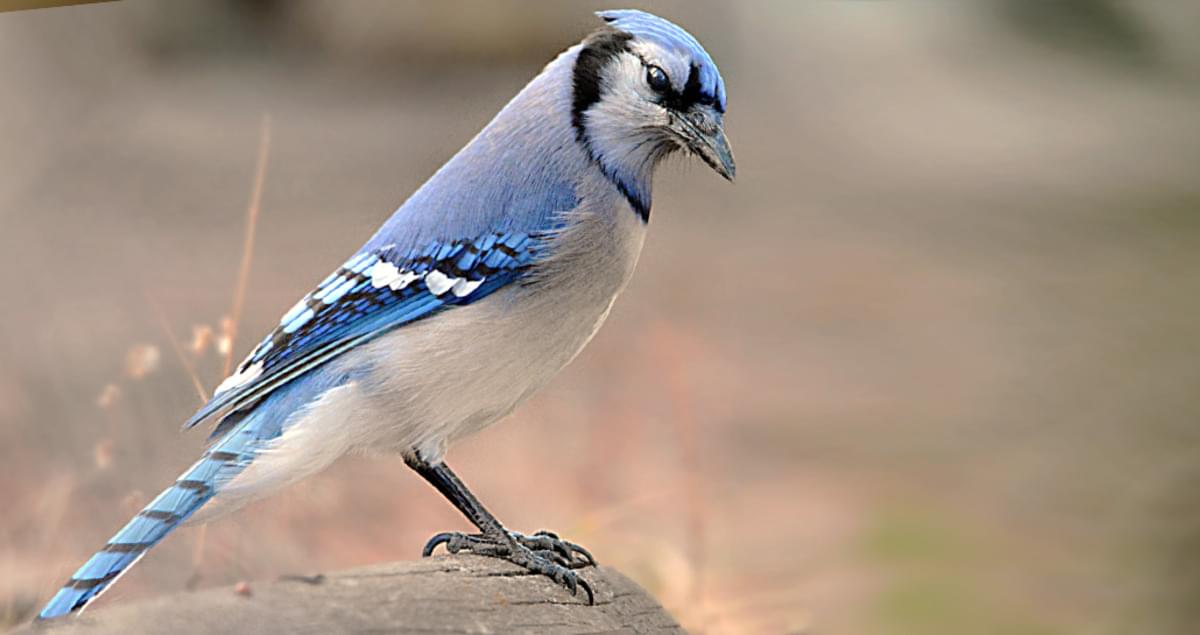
x: 447, y: 377
x: 570, y: 294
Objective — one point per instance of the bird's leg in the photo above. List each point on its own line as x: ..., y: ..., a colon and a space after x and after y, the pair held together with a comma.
x: 543, y: 552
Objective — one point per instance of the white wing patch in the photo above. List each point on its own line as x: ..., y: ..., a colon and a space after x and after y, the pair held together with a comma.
x: 240, y: 378
x: 463, y: 287
x: 439, y: 282
x: 385, y: 274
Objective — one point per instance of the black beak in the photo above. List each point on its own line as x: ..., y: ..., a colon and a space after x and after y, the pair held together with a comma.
x: 702, y: 131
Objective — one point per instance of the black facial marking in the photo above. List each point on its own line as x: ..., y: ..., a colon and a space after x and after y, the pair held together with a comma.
x: 600, y: 48
x: 691, y: 94
x: 639, y: 206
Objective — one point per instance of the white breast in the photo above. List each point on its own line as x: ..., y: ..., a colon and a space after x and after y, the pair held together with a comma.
x: 442, y: 378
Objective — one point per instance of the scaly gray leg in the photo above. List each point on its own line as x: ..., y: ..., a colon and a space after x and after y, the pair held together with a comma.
x: 543, y: 553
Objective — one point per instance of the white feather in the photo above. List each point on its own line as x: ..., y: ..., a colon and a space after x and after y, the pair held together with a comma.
x: 404, y: 279
x: 383, y: 274
x: 439, y: 282
x: 464, y: 287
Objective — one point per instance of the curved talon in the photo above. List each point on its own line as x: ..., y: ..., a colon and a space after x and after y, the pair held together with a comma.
x: 442, y: 538
x: 569, y: 549
x: 549, y: 541
x: 543, y: 553
x: 588, y: 560
x: 587, y: 587
x: 555, y: 556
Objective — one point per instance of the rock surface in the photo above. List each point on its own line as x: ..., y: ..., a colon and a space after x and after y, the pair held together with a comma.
x: 448, y: 594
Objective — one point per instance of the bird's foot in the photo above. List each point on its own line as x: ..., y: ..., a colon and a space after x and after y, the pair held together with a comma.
x: 543, y: 553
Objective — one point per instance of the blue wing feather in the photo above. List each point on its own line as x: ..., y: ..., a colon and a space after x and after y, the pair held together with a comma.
x: 356, y: 304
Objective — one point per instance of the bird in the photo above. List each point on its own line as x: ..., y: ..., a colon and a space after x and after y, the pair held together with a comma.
x: 488, y: 280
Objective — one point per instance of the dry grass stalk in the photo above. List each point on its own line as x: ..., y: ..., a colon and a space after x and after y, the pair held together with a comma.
x: 229, y: 325
x: 252, y: 211
x: 179, y: 353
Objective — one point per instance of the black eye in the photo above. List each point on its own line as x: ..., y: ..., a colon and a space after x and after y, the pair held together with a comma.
x: 657, y: 79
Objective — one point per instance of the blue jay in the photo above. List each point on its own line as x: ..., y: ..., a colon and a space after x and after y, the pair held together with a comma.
x: 484, y: 284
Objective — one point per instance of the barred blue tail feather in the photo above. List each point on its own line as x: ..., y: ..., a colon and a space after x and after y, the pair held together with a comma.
x: 174, y: 505
x: 243, y: 438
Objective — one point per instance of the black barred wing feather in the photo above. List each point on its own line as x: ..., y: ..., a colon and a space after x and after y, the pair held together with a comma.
x: 373, y: 293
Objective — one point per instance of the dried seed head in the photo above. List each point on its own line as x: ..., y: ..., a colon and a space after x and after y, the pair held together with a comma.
x: 141, y: 360
x: 202, y: 338
x: 108, y: 396
x: 102, y: 454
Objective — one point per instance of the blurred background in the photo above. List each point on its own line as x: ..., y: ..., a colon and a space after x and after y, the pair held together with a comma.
x: 939, y: 376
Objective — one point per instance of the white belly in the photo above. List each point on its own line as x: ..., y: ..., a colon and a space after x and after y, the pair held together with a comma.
x: 445, y: 377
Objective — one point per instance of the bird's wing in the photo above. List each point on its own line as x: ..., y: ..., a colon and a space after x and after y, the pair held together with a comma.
x: 375, y: 292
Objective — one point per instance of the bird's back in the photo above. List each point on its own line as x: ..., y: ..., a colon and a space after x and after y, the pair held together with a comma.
x: 521, y: 170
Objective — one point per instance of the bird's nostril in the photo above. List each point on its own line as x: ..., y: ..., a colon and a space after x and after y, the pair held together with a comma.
x: 702, y: 122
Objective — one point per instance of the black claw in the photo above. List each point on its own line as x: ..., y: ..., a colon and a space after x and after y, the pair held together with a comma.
x: 587, y: 587
x: 558, y: 558
x: 543, y: 553
x: 576, y: 556
x: 588, y: 560
x: 442, y: 538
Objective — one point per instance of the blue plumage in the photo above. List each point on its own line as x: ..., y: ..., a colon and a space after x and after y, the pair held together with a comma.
x: 653, y: 28
x: 224, y: 460
x: 479, y: 288
x: 346, y: 307
x: 350, y: 308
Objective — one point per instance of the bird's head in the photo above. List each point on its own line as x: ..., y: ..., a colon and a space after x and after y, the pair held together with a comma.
x: 644, y: 88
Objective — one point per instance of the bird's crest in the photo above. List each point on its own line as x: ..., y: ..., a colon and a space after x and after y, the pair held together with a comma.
x: 670, y: 36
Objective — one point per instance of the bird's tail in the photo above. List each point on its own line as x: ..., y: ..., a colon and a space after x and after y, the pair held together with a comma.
x: 224, y: 460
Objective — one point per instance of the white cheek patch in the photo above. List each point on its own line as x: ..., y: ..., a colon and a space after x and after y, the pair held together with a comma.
x: 240, y: 378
